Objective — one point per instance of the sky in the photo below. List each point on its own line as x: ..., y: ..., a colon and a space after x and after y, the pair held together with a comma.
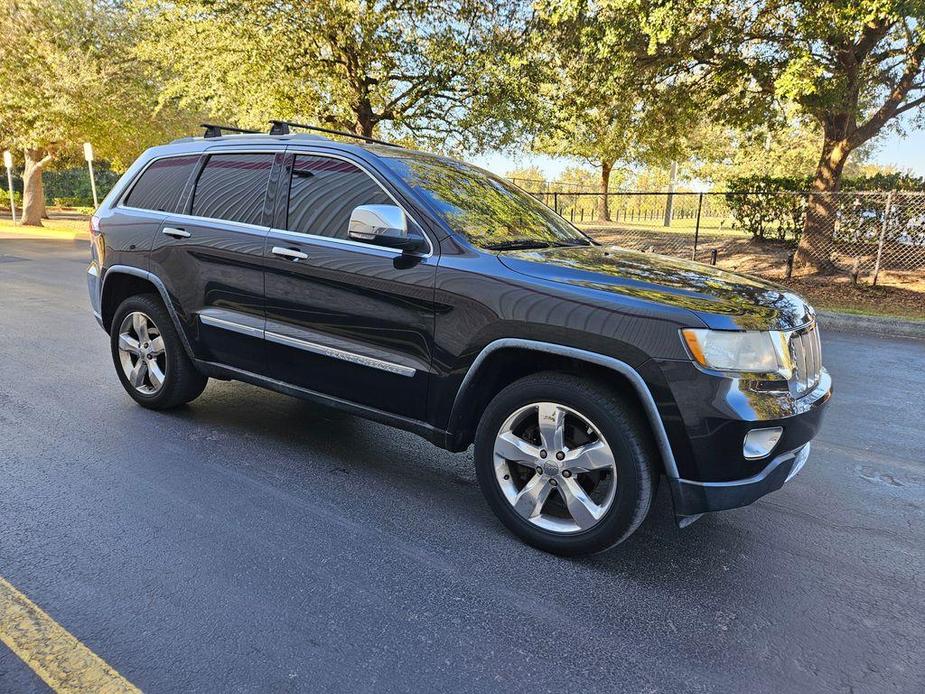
x: 906, y: 152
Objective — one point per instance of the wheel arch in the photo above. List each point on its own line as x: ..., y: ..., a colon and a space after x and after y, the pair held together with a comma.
x: 498, y: 365
x: 122, y: 281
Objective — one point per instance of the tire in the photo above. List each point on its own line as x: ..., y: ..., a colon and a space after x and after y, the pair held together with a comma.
x: 172, y: 379
x: 616, y: 465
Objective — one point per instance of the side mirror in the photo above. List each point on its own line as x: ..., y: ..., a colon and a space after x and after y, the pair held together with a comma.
x: 385, y: 225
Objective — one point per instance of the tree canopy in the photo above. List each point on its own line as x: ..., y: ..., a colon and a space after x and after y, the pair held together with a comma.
x: 853, y: 67
x: 772, y: 86
x: 69, y: 76
x: 424, y: 70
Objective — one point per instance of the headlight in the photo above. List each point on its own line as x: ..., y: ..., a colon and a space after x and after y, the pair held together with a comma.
x: 743, y: 352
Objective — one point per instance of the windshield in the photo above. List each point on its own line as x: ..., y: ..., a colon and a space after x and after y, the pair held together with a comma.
x: 490, y: 212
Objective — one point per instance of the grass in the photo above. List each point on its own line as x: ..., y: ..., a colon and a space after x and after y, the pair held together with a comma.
x: 64, y: 229
x: 710, y: 227
x: 861, y: 312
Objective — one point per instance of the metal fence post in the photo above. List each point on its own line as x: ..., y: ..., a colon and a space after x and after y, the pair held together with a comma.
x: 669, y: 203
x: 886, y: 219
x: 555, y: 201
x: 697, y: 226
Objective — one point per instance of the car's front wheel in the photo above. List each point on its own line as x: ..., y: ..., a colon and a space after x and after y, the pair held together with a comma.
x: 149, y: 357
x: 567, y: 465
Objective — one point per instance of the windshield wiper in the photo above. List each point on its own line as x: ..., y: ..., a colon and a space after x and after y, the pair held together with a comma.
x: 573, y: 242
x: 516, y: 245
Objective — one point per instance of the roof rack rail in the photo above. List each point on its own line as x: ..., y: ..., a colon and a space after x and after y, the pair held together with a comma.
x: 281, y: 127
x: 213, y: 130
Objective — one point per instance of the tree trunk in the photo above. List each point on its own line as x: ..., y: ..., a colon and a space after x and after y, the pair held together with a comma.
x: 603, y: 200
x: 365, y: 118
x: 33, y: 192
x: 822, y: 208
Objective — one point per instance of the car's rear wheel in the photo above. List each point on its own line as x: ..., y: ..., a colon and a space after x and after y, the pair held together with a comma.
x: 149, y: 357
x: 566, y: 464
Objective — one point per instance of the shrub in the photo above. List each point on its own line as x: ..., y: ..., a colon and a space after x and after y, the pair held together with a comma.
x: 69, y: 202
x: 885, y: 181
x: 5, y: 198
x: 768, y: 206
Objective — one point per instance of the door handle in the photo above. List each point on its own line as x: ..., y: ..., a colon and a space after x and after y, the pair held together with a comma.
x: 289, y: 253
x: 176, y: 233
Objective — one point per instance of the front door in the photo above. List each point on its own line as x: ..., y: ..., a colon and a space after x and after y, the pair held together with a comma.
x: 210, y: 257
x: 346, y: 319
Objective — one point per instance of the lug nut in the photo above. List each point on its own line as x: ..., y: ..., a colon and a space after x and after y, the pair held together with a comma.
x: 553, y: 483
x: 539, y: 470
x: 566, y: 473
x: 560, y: 456
x: 543, y: 454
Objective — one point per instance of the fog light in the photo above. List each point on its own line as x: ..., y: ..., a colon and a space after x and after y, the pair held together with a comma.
x: 760, y: 442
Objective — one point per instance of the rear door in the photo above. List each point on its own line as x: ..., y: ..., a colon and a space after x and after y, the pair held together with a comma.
x: 347, y: 319
x: 210, y: 256
x: 154, y: 194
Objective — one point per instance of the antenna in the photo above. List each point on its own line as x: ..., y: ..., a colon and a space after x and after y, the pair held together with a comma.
x: 216, y: 130
x: 281, y: 127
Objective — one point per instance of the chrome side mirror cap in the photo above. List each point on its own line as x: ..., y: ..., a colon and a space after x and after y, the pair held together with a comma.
x: 385, y: 225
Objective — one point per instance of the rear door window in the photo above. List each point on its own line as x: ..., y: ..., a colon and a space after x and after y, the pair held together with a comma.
x: 233, y: 187
x: 323, y: 193
x: 161, y: 184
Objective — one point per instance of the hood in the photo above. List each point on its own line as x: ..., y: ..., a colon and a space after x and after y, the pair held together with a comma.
x: 723, y: 300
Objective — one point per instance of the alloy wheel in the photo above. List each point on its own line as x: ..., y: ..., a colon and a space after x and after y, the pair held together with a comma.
x: 142, y: 353
x: 555, y: 467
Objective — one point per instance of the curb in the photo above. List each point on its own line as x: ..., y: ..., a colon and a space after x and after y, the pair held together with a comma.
x: 876, y: 325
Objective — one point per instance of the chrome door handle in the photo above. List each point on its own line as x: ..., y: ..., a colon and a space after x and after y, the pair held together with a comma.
x: 176, y: 233
x: 289, y: 253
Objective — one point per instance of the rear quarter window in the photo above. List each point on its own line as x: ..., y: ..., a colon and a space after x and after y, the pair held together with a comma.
x: 160, y: 185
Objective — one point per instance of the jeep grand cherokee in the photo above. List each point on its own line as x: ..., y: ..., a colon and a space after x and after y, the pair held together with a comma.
x: 433, y: 296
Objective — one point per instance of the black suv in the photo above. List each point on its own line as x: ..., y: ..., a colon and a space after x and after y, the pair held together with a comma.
x: 436, y: 297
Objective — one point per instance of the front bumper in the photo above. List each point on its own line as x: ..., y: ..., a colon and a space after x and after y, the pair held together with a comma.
x: 707, y: 418
x: 693, y: 498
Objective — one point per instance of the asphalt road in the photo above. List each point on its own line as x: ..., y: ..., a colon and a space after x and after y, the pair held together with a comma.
x: 252, y: 542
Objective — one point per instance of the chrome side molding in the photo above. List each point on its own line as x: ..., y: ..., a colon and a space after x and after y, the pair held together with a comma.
x: 248, y: 330
x: 305, y: 345
x: 335, y: 353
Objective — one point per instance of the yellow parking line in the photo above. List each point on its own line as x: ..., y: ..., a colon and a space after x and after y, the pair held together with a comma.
x: 51, y: 651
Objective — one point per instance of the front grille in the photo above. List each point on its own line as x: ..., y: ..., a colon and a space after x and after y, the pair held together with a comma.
x: 806, y: 352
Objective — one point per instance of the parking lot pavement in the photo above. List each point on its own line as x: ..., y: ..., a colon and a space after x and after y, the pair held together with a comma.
x: 252, y: 542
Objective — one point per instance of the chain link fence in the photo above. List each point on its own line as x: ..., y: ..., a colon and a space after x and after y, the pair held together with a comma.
x: 874, y: 236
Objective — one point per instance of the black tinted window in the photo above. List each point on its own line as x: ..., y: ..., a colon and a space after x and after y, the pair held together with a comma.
x: 323, y: 193
x: 160, y: 185
x: 232, y: 187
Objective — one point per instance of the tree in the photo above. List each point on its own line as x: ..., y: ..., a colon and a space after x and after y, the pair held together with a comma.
x: 66, y: 80
x: 773, y: 149
x: 854, y: 67
x: 424, y: 69
x: 600, y: 96
x: 580, y: 178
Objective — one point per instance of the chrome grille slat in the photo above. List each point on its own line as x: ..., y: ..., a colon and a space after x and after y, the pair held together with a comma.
x: 814, y: 352
x: 806, y: 351
x: 808, y: 354
x: 801, y: 355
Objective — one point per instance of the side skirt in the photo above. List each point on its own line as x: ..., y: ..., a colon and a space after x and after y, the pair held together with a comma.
x: 436, y: 436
